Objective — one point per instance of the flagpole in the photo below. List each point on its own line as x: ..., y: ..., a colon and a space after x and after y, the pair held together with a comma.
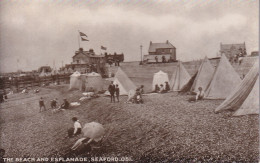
x: 78, y: 40
x: 17, y: 64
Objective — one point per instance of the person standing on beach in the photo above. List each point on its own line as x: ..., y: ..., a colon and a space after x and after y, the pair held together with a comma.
x: 41, y: 104
x: 111, y: 90
x: 117, y: 92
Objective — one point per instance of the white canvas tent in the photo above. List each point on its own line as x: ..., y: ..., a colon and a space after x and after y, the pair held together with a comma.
x: 159, y: 78
x: 70, y: 70
x: 75, y: 80
x: 92, y: 81
x: 223, y: 82
x: 44, y: 74
x: 204, y: 76
x: 245, y: 98
x: 54, y: 72
x: 66, y: 71
x: 179, y: 78
x: 61, y: 72
x: 124, y: 83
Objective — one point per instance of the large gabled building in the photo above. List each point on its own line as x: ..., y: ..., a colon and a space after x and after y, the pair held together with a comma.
x: 87, y: 61
x: 87, y: 57
x: 158, y: 51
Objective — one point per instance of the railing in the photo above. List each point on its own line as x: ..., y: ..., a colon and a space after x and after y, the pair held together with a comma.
x: 18, y: 85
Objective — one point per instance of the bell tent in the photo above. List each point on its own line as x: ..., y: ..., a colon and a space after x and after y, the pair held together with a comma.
x: 203, y: 77
x: 66, y: 71
x: 245, y: 98
x: 224, y: 80
x: 44, y: 74
x: 179, y: 78
x: 124, y: 83
x: 159, y: 78
x: 75, y: 80
x: 70, y: 70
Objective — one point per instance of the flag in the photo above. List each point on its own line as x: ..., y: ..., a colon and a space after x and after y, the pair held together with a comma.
x: 83, y: 39
x: 103, y: 48
x: 82, y: 34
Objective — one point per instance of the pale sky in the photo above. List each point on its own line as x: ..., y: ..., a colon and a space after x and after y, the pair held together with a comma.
x: 38, y: 32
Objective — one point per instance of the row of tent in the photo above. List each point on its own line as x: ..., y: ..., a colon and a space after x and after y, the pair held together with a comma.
x: 86, y: 82
x: 220, y: 83
x: 217, y: 83
x: 94, y: 80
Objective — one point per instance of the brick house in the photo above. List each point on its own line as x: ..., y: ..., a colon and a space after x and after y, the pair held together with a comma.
x: 231, y: 50
x: 160, y: 50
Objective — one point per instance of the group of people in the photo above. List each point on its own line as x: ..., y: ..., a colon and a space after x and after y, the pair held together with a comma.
x: 166, y: 88
x: 114, y: 89
x: 76, y: 130
x: 3, y: 97
x: 136, y: 96
x: 54, y: 104
x: 163, y: 59
x: 199, y: 95
x: 162, y: 88
x: 85, y: 143
x: 238, y: 58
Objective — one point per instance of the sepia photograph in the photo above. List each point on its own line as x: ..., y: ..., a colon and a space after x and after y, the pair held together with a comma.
x: 129, y: 81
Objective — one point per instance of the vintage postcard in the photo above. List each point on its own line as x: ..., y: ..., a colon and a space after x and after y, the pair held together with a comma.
x: 129, y: 81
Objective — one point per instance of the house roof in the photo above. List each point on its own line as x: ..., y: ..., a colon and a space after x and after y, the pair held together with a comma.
x: 81, y: 52
x: 87, y: 53
x: 96, y: 56
x: 232, y: 46
x: 154, y: 46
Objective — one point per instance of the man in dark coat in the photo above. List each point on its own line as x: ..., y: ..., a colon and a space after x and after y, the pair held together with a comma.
x: 54, y: 103
x: 117, y: 92
x: 156, y: 59
x: 41, y: 104
x: 167, y: 87
x: 111, y: 90
x: 65, y: 104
